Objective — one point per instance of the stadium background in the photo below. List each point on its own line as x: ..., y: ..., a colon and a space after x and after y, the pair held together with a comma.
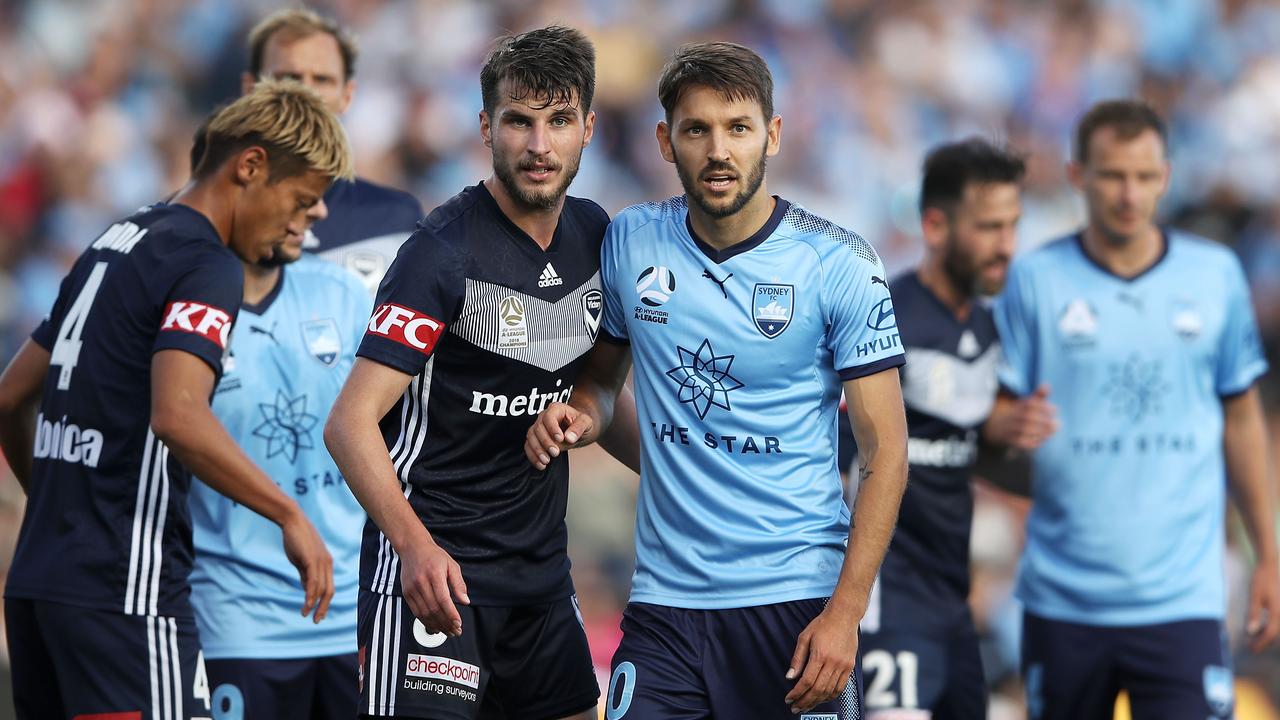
x: 98, y: 102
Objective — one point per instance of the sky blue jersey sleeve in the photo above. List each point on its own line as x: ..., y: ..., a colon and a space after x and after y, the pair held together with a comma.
x: 1014, y: 312
x: 615, y: 318
x: 863, y: 338
x: 1240, y: 358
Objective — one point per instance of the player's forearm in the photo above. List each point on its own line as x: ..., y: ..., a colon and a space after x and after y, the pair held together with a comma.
x: 1247, y: 460
x: 203, y: 446
x: 17, y: 437
x: 358, y: 449
x: 621, y: 438
x: 883, y: 478
x: 20, y: 386
x: 596, y: 400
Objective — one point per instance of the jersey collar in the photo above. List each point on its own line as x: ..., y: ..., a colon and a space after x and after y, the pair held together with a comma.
x: 260, y: 307
x: 1164, y: 252
x: 487, y: 198
x: 719, y: 256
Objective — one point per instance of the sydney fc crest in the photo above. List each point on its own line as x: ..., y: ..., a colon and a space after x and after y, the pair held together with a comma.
x: 322, y: 339
x: 592, y: 311
x: 771, y: 307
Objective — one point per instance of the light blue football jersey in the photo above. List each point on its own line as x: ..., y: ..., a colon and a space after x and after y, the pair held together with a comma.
x: 739, y: 356
x: 1126, y: 525
x: 289, y: 358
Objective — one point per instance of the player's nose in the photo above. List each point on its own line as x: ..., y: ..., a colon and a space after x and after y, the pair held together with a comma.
x: 539, y: 140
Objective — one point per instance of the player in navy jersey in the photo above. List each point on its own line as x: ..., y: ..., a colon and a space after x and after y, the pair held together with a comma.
x: 367, y: 222
x: 919, y: 648
x: 466, y: 604
x: 745, y: 314
x: 1146, y: 338
x: 118, y: 380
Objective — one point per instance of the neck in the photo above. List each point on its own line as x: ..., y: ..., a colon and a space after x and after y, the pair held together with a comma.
x: 724, y: 232
x: 1125, y: 259
x: 259, y: 281
x: 936, y: 280
x: 537, y: 224
x: 203, y: 197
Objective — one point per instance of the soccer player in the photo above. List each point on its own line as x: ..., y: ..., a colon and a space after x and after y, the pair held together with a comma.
x: 745, y: 314
x: 366, y: 222
x: 97, y: 610
x: 288, y: 363
x: 920, y: 650
x: 484, y: 319
x: 1147, y: 339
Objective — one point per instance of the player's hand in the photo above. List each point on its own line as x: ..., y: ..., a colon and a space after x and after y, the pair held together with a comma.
x: 305, y: 549
x: 826, y: 652
x: 557, y: 428
x: 1263, y: 621
x: 431, y: 582
x: 1024, y: 423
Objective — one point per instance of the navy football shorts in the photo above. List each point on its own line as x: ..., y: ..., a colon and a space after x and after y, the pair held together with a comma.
x: 915, y: 673
x: 1172, y: 671
x: 530, y: 662
x: 323, y: 688
x: 679, y: 664
x: 86, y: 664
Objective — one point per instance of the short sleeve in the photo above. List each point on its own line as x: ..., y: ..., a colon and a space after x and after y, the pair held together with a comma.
x: 615, y: 317
x: 202, y: 304
x: 1014, y: 312
x: 420, y: 295
x: 1240, y: 357
x: 46, y: 333
x: 864, y: 330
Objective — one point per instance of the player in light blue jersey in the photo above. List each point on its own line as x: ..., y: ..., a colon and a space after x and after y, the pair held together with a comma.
x: 291, y: 353
x: 745, y: 314
x: 1146, y: 342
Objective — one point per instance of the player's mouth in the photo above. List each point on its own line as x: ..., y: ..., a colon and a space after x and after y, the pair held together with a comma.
x: 539, y: 172
x: 718, y: 182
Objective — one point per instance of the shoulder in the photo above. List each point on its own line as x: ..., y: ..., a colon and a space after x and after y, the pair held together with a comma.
x: 182, y: 238
x: 829, y: 240
x: 588, y: 210
x: 1201, y: 252
x: 1048, y: 257
x: 367, y: 193
x: 905, y: 288
x: 326, y: 276
x: 671, y: 210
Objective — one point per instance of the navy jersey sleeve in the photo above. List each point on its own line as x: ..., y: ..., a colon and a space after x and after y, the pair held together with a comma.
x: 418, y: 299
x: 46, y: 333
x: 202, y: 304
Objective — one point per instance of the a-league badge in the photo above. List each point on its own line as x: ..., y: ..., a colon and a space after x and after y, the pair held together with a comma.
x: 323, y: 340
x: 771, y: 306
x: 513, y: 331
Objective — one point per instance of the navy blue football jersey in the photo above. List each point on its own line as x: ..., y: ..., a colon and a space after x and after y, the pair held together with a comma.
x: 949, y: 387
x: 106, y: 522
x: 365, y: 227
x: 493, y: 329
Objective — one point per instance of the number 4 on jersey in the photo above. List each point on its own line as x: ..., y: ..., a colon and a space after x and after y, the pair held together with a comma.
x: 66, y: 351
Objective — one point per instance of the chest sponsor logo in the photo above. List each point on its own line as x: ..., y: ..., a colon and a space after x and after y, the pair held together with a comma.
x: 534, y: 402
x: 950, y: 452
x: 434, y: 667
x: 819, y: 716
x: 1078, y: 323
x: 67, y: 442
x: 703, y: 378
x: 406, y: 326
x: 882, y: 316
x: 513, y: 328
x: 771, y: 307
x: 655, y: 286
x: 592, y: 312
x: 322, y: 340
x: 207, y: 321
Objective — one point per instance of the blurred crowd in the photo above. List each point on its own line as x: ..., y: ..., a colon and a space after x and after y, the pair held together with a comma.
x: 99, y: 100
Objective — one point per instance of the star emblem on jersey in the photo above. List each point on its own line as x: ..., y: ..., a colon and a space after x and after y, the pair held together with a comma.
x: 286, y: 426
x: 771, y: 306
x: 1135, y: 388
x: 704, y: 378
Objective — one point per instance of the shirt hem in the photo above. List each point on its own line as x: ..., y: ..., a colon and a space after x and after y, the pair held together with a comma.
x: 21, y: 593
x: 729, y: 602
x: 284, y: 651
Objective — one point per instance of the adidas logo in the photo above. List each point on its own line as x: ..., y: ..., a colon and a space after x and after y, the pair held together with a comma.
x: 549, y: 277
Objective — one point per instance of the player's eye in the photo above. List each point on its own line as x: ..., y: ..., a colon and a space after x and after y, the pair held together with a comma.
x: 559, y: 121
x: 740, y: 128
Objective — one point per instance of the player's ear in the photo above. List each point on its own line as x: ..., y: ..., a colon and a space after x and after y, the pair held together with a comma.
x: 934, y: 226
x: 247, y: 81
x: 486, y: 129
x: 774, y: 128
x: 251, y: 165
x: 589, y: 123
x: 1075, y: 174
x: 664, y: 142
x: 348, y: 92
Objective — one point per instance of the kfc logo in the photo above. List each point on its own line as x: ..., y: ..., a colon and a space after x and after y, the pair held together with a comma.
x: 207, y: 321
x: 407, y: 327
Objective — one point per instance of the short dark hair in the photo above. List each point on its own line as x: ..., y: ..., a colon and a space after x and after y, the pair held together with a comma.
x: 950, y: 168
x: 296, y: 24
x: 1129, y: 118
x: 733, y: 70
x: 553, y: 62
